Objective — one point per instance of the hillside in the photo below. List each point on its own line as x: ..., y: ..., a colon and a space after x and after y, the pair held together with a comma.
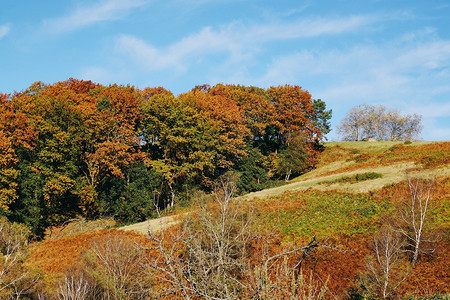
x: 347, y: 159
x: 344, y: 160
x: 345, y: 203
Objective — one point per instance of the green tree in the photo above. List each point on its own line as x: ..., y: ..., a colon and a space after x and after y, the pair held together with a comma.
x: 294, y: 159
x: 132, y: 198
x: 253, y: 172
x: 321, y: 117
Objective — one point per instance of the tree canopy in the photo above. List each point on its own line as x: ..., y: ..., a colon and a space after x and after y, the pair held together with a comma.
x: 80, y: 148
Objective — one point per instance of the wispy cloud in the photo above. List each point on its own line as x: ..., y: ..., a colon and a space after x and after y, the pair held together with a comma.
x: 384, y: 72
x: 4, y: 30
x: 237, y: 40
x: 83, y: 16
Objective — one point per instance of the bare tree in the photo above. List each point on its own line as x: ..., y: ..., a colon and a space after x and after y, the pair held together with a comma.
x: 400, y: 127
x: 209, y: 257
x: 351, y: 127
x: 383, y: 275
x: 76, y: 285
x: 414, y: 214
x: 279, y: 275
x: 117, y: 267
x: 375, y: 121
x: 15, y: 279
x: 213, y: 243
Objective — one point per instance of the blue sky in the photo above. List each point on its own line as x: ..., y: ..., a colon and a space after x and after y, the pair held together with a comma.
x: 395, y: 53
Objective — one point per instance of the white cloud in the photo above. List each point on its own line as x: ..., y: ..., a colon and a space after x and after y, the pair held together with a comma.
x: 238, y: 41
x: 410, y: 75
x: 376, y: 72
x: 4, y: 30
x: 309, y: 28
x: 83, y: 16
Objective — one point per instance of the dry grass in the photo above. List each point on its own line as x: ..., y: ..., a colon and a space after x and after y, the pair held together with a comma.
x: 373, y: 147
x: 154, y: 225
x: 391, y: 174
x: 79, y: 226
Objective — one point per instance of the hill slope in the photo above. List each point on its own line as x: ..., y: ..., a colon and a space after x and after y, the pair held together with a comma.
x: 355, y: 190
x: 391, y: 160
x: 353, y: 167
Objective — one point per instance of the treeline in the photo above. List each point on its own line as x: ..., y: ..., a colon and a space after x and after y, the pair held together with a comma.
x: 80, y: 148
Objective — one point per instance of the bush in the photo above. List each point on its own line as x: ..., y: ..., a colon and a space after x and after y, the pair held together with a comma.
x: 355, y: 178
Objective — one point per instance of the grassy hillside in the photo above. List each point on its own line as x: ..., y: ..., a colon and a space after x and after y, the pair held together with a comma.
x: 347, y: 159
x: 355, y: 190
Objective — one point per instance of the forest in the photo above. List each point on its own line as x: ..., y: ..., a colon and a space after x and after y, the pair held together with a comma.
x: 77, y: 148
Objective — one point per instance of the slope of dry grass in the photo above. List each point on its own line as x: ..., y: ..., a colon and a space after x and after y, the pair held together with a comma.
x: 390, y: 159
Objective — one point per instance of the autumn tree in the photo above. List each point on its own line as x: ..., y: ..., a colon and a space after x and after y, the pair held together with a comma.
x: 294, y: 158
x: 294, y: 109
x: 193, y: 136
x: 259, y: 112
x: 77, y: 147
x: 87, y: 134
x: 15, y: 132
x: 276, y: 117
x: 50, y: 170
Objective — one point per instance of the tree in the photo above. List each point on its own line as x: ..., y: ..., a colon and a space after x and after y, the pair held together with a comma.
x: 118, y: 268
x: 293, y: 159
x: 400, y: 127
x: 111, y: 268
x: 375, y: 121
x: 414, y: 215
x: 193, y: 137
x: 259, y: 112
x: 253, y: 171
x: 85, y: 133
x: 213, y: 246
x: 217, y: 255
x: 8, y: 172
x: 384, y: 272
x: 293, y: 111
x: 15, y: 279
x: 321, y: 117
x: 15, y: 132
x: 351, y: 127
